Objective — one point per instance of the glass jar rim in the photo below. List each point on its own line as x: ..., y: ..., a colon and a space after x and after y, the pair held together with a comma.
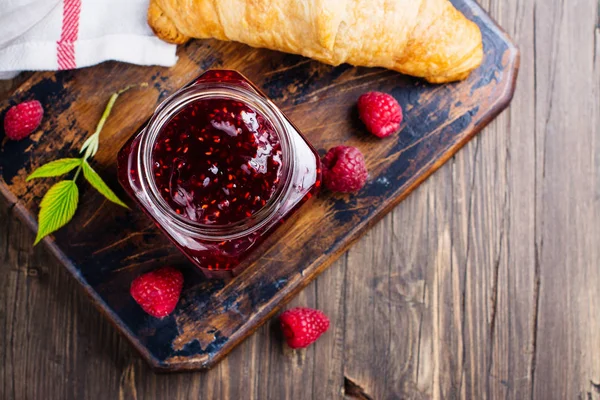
x: 214, y: 90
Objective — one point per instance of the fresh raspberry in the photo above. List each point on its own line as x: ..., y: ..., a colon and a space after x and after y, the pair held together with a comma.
x: 302, y: 326
x: 157, y: 292
x: 21, y: 120
x: 344, y: 169
x: 380, y: 112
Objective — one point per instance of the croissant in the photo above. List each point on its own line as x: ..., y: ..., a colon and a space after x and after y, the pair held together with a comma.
x: 423, y: 38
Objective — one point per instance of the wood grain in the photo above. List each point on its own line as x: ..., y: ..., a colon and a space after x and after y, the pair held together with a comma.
x: 509, y: 179
x: 567, y: 188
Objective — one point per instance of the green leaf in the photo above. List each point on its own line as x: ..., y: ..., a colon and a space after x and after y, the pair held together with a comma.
x: 57, y: 208
x: 55, y: 168
x: 94, y: 179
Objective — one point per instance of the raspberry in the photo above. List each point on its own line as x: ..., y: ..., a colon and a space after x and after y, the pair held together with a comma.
x: 157, y: 292
x: 380, y: 112
x: 344, y: 169
x: 21, y: 120
x: 302, y: 326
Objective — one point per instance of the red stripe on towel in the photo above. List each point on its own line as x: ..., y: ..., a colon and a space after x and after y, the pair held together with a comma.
x: 65, y: 51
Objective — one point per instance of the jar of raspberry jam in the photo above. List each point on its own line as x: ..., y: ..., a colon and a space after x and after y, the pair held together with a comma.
x: 219, y: 168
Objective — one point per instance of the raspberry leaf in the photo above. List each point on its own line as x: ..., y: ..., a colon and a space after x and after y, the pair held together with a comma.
x: 60, y: 202
x: 55, y: 168
x: 57, y: 208
x: 96, y: 181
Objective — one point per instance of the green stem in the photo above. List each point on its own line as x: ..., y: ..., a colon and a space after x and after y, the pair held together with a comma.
x: 78, y: 170
x: 109, y: 106
x: 106, y: 113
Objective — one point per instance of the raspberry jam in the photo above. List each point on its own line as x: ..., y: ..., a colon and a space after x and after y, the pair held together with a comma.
x: 217, y: 161
x: 219, y: 168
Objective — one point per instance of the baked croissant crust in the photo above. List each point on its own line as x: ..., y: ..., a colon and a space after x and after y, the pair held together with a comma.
x: 423, y: 38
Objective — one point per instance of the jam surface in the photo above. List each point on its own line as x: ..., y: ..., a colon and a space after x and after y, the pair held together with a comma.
x: 217, y: 161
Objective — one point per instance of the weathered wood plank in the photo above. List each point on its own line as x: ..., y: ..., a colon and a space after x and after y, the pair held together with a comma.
x: 567, y: 201
x: 509, y: 369
x: 492, y: 240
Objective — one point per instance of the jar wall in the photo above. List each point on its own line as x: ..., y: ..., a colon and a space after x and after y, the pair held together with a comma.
x: 214, y: 256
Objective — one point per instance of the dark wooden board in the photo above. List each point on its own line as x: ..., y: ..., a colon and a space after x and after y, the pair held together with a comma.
x: 106, y: 247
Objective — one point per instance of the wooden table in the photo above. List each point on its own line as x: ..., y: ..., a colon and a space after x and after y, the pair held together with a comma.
x: 482, y: 284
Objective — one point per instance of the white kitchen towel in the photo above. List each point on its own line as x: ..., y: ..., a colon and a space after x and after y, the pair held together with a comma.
x: 40, y: 35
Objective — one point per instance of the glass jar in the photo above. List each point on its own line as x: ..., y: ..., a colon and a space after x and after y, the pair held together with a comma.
x: 219, y: 168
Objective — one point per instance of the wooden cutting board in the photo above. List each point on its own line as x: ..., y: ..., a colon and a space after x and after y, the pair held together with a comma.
x: 105, y: 247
